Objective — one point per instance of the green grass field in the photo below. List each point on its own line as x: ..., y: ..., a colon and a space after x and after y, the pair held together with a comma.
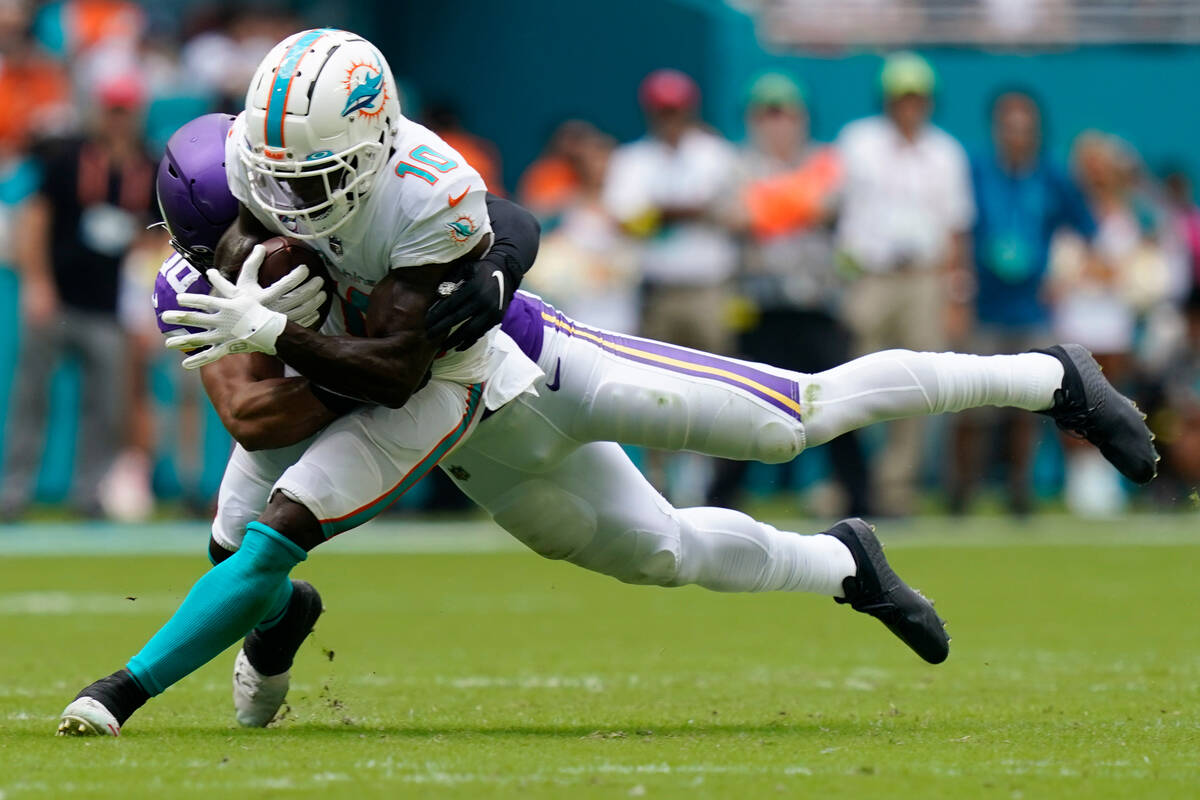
x: 484, y: 671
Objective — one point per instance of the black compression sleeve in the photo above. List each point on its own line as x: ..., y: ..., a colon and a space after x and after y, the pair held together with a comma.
x: 516, y: 235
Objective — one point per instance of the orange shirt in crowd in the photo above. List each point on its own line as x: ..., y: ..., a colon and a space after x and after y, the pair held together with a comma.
x: 480, y: 154
x: 547, y: 185
x: 782, y: 204
x: 30, y: 91
x: 92, y: 21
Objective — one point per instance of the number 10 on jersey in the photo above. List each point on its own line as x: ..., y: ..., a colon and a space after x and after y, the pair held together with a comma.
x: 430, y: 158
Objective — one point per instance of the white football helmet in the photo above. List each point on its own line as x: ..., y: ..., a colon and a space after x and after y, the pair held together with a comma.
x: 321, y: 113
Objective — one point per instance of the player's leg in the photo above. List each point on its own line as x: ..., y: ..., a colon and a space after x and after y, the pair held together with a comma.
x: 262, y: 668
x: 592, y: 507
x: 618, y: 388
x: 353, y: 469
x: 1063, y: 382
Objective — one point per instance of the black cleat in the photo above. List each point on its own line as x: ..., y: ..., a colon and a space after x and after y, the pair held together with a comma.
x: 103, y: 707
x: 271, y: 651
x: 1088, y: 406
x: 262, y: 670
x: 877, y: 590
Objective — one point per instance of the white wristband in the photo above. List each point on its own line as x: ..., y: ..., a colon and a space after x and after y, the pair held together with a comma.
x: 260, y: 328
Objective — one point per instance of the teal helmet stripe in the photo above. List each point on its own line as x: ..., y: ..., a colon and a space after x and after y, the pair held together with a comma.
x: 277, y: 99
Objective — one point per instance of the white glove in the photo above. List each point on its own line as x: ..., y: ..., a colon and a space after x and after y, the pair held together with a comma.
x: 301, y: 305
x: 235, y: 318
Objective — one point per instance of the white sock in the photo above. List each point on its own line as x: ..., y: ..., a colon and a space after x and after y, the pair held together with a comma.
x: 893, y: 384
x: 727, y: 551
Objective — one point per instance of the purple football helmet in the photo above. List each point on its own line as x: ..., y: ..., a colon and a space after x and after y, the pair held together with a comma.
x: 193, y: 195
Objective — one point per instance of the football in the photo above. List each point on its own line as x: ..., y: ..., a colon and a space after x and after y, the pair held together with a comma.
x: 285, y: 254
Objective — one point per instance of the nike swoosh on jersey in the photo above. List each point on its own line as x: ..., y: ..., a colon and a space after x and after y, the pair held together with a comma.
x: 499, y: 276
x: 453, y: 201
x: 554, y: 384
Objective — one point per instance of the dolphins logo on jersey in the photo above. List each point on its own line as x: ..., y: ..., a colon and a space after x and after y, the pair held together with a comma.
x: 462, y: 228
x: 365, y: 90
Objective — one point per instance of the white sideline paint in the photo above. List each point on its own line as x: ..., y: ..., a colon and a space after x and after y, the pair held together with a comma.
x: 59, y: 603
x: 482, y: 536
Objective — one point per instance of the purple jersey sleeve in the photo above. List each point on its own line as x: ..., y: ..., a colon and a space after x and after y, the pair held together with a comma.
x: 523, y: 322
x: 175, y: 277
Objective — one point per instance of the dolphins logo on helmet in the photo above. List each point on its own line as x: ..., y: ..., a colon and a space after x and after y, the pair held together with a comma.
x: 321, y: 114
x: 364, y: 85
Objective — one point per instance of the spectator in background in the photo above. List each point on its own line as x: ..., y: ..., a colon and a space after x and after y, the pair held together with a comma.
x: 1184, y: 217
x: 126, y: 493
x: 584, y: 265
x: 671, y: 192
x: 38, y: 86
x: 1098, y: 299
x: 71, y: 28
x: 34, y: 89
x: 905, y: 215
x: 1021, y: 201
x: 551, y: 182
x: 1174, y: 409
x: 95, y: 199
x: 789, y: 191
x: 481, y: 154
x: 1100, y: 292
x: 227, y: 45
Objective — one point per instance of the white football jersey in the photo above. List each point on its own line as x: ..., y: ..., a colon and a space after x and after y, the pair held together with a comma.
x: 427, y: 206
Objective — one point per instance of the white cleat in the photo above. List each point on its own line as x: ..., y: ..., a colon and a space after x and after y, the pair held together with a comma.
x: 87, y: 716
x: 257, y: 697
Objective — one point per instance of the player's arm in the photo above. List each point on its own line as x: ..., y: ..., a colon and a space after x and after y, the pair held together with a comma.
x: 392, y: 361
x: 384, y: 368
x: 237, y: 242
x: 260, y: 407
x: 488, y: 285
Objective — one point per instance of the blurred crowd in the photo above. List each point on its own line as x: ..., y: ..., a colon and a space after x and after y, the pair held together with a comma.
x: 780, y: 249
x: 95, y: 88
x: 803, y: 254
x: 815, y: 23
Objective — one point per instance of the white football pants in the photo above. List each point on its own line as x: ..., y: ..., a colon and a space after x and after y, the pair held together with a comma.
x: 547, y: 470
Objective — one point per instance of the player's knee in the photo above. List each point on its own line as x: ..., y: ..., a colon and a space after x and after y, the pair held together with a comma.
x: 555, y: 523
x: 638, y: 549
x: 549, y: 521
x: 658, y: 565
x: 293, y: 520
x: 777, y: 442
x: 218, y: 552
x: 229, y: 525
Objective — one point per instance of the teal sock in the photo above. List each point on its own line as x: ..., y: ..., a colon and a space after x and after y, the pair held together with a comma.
x: 246, y: 589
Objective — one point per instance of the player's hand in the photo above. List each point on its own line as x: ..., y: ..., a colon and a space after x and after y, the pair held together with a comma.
x: 301, y: 305
x: 235, y: 317
x: 475, y: 307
